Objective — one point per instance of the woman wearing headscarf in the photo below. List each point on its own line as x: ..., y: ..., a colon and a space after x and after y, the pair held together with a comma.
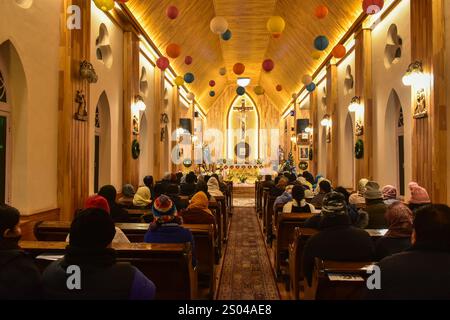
x: 279, y: 188
x: 419, y: 196
x: 126, y: 201
x: 213, y: 187
x: 398, y: 237
x: 117, y: 213
x: 389, y: 194
x: 142, y: 198
x: 309, y: 177
x: 198, y: 212
x: 298, y: 203
x: 149, y: 183
x: 358, y: 198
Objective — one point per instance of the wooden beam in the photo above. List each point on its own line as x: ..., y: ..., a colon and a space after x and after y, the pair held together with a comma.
x: 332, y: 110
x: 158, y: 97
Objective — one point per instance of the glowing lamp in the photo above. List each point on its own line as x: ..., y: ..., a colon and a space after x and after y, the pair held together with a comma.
x: 139, y: 104
x: 372, y: 6
x: 355, y: 104
x: 243, y: 82
x: 414, y: 76
x: 326, y: 121
x: 219, y: 25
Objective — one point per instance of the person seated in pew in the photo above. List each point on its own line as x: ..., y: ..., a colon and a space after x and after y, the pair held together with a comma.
x: 419, y: 197
x: 102, y: 277
x: 161, y: 186
x: 423, y: 271
x: 389, y: 194
x: 324, y: 188
x: 126, y: 200
x: 213, y: 187
x: 309, y: 195
x: 337, y: 239
x: 149, y: 183
x: 173, y: 193
x: 222, y: 186
x: 118, y: 214
x: 309, y: 177
x: 375, y: 207
x: 142, y: 199
x: 166, y: 227
x: 298, y: 203
x: 398, y: 238
x: 279, y: 187
x: 20, y: 278
x: 284, y: 198
x: 202, y: 186
x: 358, y: 219
x: 188, y: 187
x: 268, y: 182
x: 179, y: 175
x: 198, y: 212
x: 357, y: 198
x: 99, y: 202
x: 303, y: 182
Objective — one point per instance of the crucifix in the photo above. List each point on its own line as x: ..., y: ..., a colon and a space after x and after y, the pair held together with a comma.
x: 243, y: 118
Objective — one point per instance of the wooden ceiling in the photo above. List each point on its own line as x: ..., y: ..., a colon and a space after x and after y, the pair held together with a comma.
x: 251, y: 42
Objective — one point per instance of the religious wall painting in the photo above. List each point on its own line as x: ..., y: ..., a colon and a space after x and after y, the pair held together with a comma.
x: 81, y: 114
x: 359, y: 127
x: 304, y: 153
x: 420, y: 107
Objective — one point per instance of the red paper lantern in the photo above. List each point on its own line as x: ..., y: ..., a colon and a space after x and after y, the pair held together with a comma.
x: 268, y: 65
x: 339, y: 51
x: 321, y: 12
x: 188, y: 60
x: 173, y: 50
x: 238, y: 68
x: 372, y: 6
x: 279, y: 88
x: 162, y: 63
x: 171, y: 12
x: 212, y: 83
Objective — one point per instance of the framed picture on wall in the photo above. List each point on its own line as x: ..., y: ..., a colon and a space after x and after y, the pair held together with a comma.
x: 304, y: 153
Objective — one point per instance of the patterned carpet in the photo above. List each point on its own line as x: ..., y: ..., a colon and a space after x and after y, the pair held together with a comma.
x: 244, y: 202
x: 247, y: 273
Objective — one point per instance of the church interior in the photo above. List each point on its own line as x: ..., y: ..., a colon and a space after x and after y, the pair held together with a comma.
x: 224, y: 149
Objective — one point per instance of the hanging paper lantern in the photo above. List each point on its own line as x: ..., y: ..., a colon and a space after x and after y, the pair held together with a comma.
x: 279, y: 87
x: 321, y: 11
x: 223, y: 71
x: 212, y: 93
x: 306, y: 79
x: 240, y: 91
x: 188, y: 60
x: 219, y: 25
x: 190, y: 95
x: 238, y: 68
x: 227, y: 35
x: 104, y: 5
x: 179, y: 81
x: 276, y: 25
x: 339, y: 51
x: 162, y: 63
x: 372, y: 6
x: 172, y: 12
x: 212, y: 83
x: 321, y: 43
x: 173, y: 50
x: 189, y: 77
x: 311, y: 87
x: 316, y: 55
x: 268, y: 65
x: 259, y: 91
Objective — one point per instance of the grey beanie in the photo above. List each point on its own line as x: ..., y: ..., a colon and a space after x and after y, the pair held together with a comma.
x: 334, y: 203
x: 128, y: 190
x: 373, y: 191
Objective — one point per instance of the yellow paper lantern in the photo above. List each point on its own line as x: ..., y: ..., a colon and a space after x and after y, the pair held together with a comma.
x: 179, y: 81
x: 316, y: 55
x: 276, y: 25
x: 104, y: 5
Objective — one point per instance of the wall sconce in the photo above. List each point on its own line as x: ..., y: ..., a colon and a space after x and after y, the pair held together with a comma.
x: 87, y: 72
x: 355, y: 104
x: 326, y: 121
x: 309, y: 129
x: 293, y: 139
x: 139, y: 104
x: 414, y: 76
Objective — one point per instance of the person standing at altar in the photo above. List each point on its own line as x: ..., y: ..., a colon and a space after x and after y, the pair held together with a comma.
x: 213, y: 187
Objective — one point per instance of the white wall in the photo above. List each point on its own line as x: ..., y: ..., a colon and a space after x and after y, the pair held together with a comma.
x: 321, y: 111
x: 34, y: 33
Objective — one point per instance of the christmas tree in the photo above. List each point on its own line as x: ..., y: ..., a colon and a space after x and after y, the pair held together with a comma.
x: 289, y: 164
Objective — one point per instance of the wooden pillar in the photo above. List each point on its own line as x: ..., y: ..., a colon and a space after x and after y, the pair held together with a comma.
x: 158, y: 101
x: 363, y: 89
x: 429, y: 137
x: 332, y: 110
x: 73, y: 135
x: 314, y: 166
x: 130, y: 172
x: 176, y: 122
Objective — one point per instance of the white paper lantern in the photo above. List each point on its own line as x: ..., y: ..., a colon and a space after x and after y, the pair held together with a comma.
x: 219, y: 25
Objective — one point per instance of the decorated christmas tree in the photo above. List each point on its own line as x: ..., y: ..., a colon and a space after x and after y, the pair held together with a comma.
x: 289, y: 164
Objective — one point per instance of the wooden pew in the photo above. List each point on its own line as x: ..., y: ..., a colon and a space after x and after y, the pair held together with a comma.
x: 169, y: 266
x: 215, y: 209
x: 135, y: 215
x: 264, y: 208
x: 221, y: 201
x: 268, y: 218
x: 323, y: 288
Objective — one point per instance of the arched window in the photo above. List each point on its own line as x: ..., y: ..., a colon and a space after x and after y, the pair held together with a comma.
x: 3, y: 98
x: 102, y: 143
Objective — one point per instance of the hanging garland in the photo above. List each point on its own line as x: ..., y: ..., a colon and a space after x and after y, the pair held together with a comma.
x: 135, y: 149
x: 359, y: 149
x: 303, y: 165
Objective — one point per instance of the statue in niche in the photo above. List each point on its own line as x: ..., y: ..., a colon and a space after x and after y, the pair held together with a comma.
x: 81, y: 114
x: 135, y: 125
x: 420, y: 108
x: 164, y: 120
x: 359, y: 128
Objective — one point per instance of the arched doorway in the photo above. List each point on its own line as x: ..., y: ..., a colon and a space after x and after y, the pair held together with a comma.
x: 348, y: 169
x: 144, y: 161
x: 102, y: 144
x: 5, y: 137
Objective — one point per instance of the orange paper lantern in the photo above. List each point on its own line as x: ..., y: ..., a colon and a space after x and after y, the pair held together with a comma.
x: 238, y: 68
x: 279, y: 88
x: 173, y: 50
x: 339, y: 51
x: 321, y: 12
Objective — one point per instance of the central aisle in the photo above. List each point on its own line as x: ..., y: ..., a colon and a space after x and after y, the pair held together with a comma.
x: 247, y: 273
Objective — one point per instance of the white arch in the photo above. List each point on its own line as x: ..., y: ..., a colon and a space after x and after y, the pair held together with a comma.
x: 144, y: 158
x: 105, y: 139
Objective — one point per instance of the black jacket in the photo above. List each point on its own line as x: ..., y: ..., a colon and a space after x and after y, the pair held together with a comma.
x: 187, y: 189
x: 386, y: 246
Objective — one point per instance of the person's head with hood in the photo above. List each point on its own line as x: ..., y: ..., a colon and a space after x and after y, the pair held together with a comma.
x: 213, y: 184
x: 362, y: 186
x: 302, y: 180
x: 97, y: 202
x: 148, y: 182
x: 128, y: 191
x: 372, y: 192
x: 200, y: 202
x: 400, y: 221
x: 142, y: 197
x: 309, y: 177
x: 309, y: 195
x: 334, y: 211
x: 419, y: 196
x: 164, y: 211
x: 9, y: 224
x: 282, y: 183
x: 109, y: 193
x: 389, y: 192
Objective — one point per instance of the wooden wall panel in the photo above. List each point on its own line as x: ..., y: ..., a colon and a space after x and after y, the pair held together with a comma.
x: 332, y: 110
x: 158, y: 101
x: 314, y: 120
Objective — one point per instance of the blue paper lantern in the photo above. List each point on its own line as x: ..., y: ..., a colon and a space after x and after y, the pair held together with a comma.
x: 189, y: 77
x: 240, y: 91
x: 227, y: 35
x: 212, y: 93
x: 311, y: 87
x: 321, y: 43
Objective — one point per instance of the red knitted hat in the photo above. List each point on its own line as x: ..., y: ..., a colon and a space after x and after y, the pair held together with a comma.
x: 97, y: 202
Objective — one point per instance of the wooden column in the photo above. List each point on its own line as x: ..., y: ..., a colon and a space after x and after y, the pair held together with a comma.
x: 429, y: 137
x: 333, y: 146
x: 314, y: 167
x: 130, y: 172
x: 73, y: 135
x: 363, y: 89
x: 158, y: 101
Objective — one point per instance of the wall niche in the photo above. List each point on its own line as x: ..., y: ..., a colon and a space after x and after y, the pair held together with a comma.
x: 393, y: 49
x: 103, y: 45
x: 24, y: 4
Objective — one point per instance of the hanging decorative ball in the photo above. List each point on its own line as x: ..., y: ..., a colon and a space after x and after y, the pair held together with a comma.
x: 321, y: 12
x: 268, y: 65
x: 372, y: 6
x: 279, y: 88
x: 189, y: 77
x: 316, y: 55
x: 339, y: 51
x: 172, y: 12
x: 212, y: 83
x: 212, y: 93
x: 321, y: 43
x: 227, y: 35
x: 173, y: 50
x: 311, y: 87
x: 104, y: 5
x: 306, y: 79
x: 188, y: 60
x: 240, y: 91
x: 219, y: 25
x: 276, y: 25
x: 179, y: 81
x: 223, y: 71
x: 190, y: 95
x: 238, y: 68
x: 162, y: 63
x: 259, y: 91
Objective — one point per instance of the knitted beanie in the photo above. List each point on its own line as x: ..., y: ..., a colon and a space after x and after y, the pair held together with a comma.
x: 372, y: 191
x: 362, y: 185
x: 389, y: 192
x: 163, y: 206
x: 334, y: 203
x: 418, y: 194
x: 128, y: 190
x: 97, y: 202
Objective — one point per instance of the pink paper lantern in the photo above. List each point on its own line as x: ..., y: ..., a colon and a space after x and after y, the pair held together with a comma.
x: 268, y: 65
x: 162, y: 63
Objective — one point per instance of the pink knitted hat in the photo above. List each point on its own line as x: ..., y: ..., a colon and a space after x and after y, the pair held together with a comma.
x: 389, y: 192
x: 418, y: 194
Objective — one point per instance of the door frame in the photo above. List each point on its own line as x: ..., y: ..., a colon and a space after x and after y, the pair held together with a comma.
x: 8, y: 161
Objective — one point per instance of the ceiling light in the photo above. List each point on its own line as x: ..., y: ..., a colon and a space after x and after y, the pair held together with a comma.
x: 355, y: 104
x: 139, y: 104
x: 243, y: 82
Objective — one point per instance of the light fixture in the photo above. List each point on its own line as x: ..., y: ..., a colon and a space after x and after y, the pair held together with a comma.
x: 414, y: 76
x: 309, y: 129
x: 243, y: 82
x: 355, y: 104
x: 139, y: 104
x: 326, y: 121
x: 293, y: 139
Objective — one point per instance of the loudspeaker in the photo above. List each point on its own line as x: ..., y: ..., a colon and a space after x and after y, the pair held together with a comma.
x: 186, y: 124
x: 302, y: 124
